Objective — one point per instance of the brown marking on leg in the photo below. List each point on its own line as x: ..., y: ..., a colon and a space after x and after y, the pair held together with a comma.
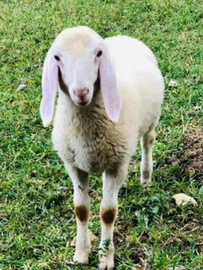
x: 82, y: 213
x: 146, y: 174
x: 151, y: 141
x: 108, y: 215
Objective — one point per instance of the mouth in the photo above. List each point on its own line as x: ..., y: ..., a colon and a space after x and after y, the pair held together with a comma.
x: 82, y: 103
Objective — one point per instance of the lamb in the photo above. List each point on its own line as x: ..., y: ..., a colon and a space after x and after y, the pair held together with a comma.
x: 110, y: 95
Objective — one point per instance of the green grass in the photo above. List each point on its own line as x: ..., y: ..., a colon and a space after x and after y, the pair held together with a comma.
x: 37, y: 221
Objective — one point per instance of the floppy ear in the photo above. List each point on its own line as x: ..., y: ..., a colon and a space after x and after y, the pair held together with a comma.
x: 110, y: 93
x: 49, y: 88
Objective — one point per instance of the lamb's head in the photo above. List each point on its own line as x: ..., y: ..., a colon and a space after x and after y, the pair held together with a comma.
x: 75, y: 60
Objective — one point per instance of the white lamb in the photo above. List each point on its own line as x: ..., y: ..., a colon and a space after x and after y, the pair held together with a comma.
x: 110, y: 96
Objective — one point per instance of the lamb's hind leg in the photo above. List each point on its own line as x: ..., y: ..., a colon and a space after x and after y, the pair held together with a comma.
x: 79, y: 179
x: 147, y: 143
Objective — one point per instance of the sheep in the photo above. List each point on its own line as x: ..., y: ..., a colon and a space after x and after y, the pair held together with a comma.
x: 110, y: 93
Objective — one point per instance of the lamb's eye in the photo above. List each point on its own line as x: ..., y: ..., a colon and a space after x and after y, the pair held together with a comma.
x: 56, y: 57
x: 99, y: 53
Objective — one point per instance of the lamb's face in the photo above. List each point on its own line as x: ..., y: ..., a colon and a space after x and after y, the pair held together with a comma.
x: 73, y: 61
x: 79, y: 64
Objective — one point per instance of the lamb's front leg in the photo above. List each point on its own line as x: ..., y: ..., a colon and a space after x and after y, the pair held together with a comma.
x: 82, y: 207
x: 112, y: 181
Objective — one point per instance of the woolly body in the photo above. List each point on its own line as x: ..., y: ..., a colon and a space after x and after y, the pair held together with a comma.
x: 86, y: 137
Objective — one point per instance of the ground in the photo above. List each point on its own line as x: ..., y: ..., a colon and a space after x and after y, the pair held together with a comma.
x: 37, y: 222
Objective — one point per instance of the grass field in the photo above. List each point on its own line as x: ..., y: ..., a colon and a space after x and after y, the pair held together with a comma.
x: 37, y: 222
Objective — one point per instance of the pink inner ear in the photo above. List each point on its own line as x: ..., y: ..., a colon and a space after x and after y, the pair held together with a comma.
x: 49, y: 88
x: 111, y: 95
